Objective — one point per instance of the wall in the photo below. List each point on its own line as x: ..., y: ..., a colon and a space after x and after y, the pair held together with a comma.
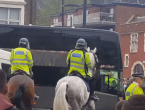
x: 28, y: 11
x: 126, y: 31
x: 124, y: 13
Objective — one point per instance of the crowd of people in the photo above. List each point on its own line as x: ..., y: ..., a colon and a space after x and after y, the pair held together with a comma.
x: 5, y: 103
x: 134, y: 97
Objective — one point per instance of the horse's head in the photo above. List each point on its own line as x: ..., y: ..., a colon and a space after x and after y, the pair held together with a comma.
x: 94, y: 59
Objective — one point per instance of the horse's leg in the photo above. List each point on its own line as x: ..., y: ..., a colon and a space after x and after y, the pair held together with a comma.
x: 29, y: 97
x: 11, y: 91
x: 74, y: 105
x: 89, y: 106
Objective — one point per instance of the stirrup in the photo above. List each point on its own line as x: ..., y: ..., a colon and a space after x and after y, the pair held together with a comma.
x: 36, y: 97
x: 94, y: 97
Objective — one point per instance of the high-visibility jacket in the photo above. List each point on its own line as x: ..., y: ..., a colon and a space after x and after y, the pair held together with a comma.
x: 112, y: 82
x: 21, y: 59
x: 133, y: 89
x: 77, y: 62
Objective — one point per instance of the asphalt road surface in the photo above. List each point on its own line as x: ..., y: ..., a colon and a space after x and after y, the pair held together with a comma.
x: 40, y: 109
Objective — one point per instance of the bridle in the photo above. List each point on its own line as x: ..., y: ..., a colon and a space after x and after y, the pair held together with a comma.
x: 96, y: 61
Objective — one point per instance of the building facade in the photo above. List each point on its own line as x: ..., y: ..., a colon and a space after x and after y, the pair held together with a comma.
x: 108, y: 16
x: 133, y: 45
x: 18, y: 12
x: 115, y: 17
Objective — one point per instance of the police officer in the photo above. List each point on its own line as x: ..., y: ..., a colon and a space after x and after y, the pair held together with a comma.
x: 21, y: 59
x: 112, y: 82
x: 135, y: 87
x: 78, y: 61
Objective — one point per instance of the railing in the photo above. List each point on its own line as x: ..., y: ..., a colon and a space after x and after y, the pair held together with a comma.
x: 94, y: 17
x: 58, y: 24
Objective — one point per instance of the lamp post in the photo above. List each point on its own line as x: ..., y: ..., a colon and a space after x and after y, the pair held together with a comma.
x: 62, y: 13
x: 84, y: 13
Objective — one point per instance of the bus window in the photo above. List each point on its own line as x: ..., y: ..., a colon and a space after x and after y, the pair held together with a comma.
x: 110, y: 80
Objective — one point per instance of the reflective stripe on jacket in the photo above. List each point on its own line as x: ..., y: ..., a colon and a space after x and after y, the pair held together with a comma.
x: 77, y: 62
x: 21, y: 59
x: 133, y: 89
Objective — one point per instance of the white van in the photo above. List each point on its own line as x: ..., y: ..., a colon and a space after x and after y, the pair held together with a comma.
x: 4, y: 60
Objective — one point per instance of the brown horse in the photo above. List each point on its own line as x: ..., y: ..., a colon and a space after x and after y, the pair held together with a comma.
x: 21, y: 91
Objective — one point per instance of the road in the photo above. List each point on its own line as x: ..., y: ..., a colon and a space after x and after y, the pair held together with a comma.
x: 40, y: 109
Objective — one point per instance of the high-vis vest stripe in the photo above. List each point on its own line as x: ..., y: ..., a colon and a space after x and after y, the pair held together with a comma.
x: 77, y: 62
x: 133, y: 89
x: 21, y: 59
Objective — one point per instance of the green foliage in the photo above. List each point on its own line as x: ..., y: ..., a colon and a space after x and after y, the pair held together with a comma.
x: 53, y: 7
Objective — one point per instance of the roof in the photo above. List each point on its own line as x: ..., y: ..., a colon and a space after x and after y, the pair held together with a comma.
x: 103, y: 5
x: 139, y: 19
x: 117, y: 1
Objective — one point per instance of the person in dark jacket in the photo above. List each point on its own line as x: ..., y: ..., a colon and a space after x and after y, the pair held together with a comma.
x: 5, y: 103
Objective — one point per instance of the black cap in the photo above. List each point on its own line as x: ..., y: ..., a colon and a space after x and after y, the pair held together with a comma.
x: 138, y: 75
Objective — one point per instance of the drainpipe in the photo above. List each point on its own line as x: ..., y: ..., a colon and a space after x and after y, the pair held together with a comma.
x: 31, y: 11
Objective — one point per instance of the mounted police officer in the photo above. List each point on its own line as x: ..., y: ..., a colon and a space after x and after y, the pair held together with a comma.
x: 135, y: 87
x: 21, y: 59
x: 78, y: 61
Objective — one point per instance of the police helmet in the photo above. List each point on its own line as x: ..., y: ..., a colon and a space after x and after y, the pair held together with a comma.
x: 24, y: 43
x: 81, y: 44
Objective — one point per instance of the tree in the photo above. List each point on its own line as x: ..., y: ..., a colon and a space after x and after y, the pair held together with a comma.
x: 53, y: 7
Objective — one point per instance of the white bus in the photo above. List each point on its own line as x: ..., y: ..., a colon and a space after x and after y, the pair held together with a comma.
x: 4, y: 59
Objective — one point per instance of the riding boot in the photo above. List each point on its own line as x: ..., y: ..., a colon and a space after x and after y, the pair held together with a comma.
x: 92, y: 84
x: 36, y: 97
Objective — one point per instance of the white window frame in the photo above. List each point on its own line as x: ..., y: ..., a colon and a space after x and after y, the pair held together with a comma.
x: 19, y: 6
x: 12, y: 20
x: 126, y: 63
x: 69, y: 19
x: 134, y: 43
x: 55, y: 21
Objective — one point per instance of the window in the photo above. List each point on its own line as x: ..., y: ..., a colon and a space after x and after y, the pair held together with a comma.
x: 10, y: 16
x: 126, y: 61
x: 138, y: 69
x: 70, y: 20
x: 134, y: 42
x: 55, y: 21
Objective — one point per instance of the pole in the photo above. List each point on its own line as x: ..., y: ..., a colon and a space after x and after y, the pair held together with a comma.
x: 62, y: 13
x: 31, y: 11
x: 84, y: 13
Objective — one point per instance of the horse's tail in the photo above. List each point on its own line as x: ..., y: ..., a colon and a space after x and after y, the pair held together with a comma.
x: 60, y: 102
x: 18, y: 97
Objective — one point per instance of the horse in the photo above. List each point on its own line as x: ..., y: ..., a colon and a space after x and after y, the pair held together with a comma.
x: 21, y: 90
x: 71, y: 91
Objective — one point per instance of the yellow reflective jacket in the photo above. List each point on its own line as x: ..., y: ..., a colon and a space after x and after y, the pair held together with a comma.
x: 133, y: 89
x: 77, y: 62
x: 21, y: 59
x: 112, y: 82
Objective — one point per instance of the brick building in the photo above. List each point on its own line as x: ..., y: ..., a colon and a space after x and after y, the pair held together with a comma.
x: 18, y: 12
x: 120, y: 17
x: 133, y: 45
x: 107, y: 16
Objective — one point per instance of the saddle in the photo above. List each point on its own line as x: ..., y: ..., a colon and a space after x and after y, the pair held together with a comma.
x: 75, y: 73
x: 19, y: 72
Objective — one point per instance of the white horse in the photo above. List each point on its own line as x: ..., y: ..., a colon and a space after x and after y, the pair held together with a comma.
x: 71, y: 92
